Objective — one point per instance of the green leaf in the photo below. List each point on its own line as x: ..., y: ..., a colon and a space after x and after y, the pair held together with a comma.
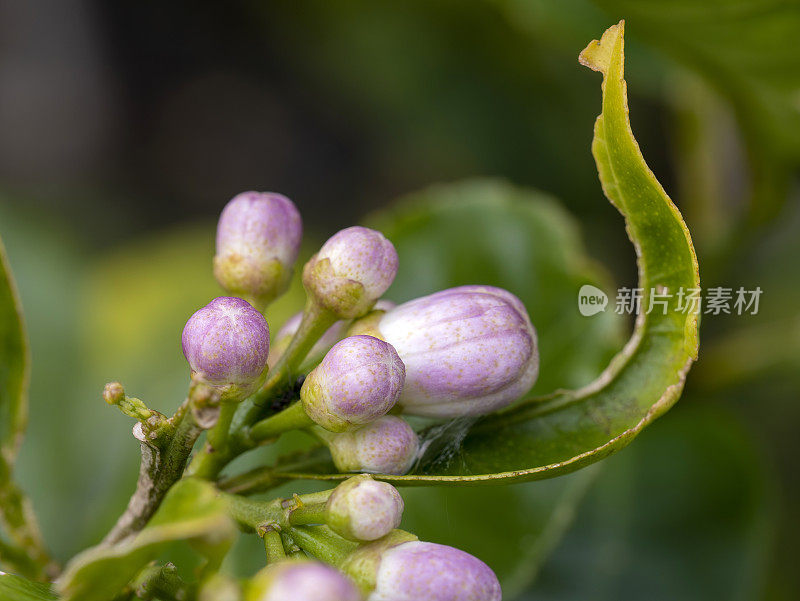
x: 14, y: 365
x: 16, y: 588
x: 191, y: 511
x: 550, y: 436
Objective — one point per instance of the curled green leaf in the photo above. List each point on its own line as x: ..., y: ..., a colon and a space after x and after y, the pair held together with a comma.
x: 549, y: 436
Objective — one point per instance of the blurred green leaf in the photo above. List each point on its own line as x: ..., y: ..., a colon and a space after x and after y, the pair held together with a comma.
x: 191, y: 511
x: 688, y: 512
x: 14, y: 366
x: 16, y: 588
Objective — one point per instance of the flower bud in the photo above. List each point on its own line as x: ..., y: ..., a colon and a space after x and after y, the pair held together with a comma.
x: 386, y: 446
x: 258, y: 238
x: 301, y: 580
x: 358, y: 381
x: 351, y: 271
x: 227, y: 343
x: 468, y: 351
x: 322, y: 346
x: 413, y: 570
x: 363, y: 509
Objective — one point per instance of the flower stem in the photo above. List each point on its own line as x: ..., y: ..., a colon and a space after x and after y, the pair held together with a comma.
x: 316, y: 320
x: 293, y: 417
x: 323, y: 543
x: 308, y: 514
x: 273, y: 544
x: 163, y: 582
x: 165, y: 452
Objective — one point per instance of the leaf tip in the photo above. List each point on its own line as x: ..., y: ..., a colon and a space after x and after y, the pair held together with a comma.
x: 597, y: 55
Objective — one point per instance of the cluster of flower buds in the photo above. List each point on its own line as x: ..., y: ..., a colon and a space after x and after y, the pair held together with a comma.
x: 465, y: 351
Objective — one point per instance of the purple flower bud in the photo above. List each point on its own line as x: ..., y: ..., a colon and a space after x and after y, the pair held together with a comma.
x: 363, y: 509
x: 258, y: 238
x: 358, y: 381
x: 351, y: 271
x: 227, y: 343
x: 301, y: 580
x: 467, y: 351
x: 386, y: 446
x: 417, y: 570
x: 323, y: 345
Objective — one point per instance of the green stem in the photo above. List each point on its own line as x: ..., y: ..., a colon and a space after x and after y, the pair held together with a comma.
x: 316, y: 321
x: 217, y: 436
x: 162, y: 582
x: 254, y: 514
x: 273, y: 544
x: 262, y: 479
x: 323, y: 543
x: 308, y: 514
x: 294, y: 417
x: 163, y: 463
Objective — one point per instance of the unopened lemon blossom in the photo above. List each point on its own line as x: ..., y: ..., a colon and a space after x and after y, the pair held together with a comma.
x: 401, y: 568
x: 358, y: 381
x: 364, y: 509
x: 258, y: 238
x: 386, y: 446
x: 227, y: 343
x: 468, y: 351
x: 301, y: 580
x: 351, y: 271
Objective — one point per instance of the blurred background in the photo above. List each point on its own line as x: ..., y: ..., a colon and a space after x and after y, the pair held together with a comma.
x: 126, y: 126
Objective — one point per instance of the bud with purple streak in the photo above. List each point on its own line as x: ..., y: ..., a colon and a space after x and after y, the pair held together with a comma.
x: 468, y: 351
x: 386, y: 446
x: 363, y: 509
x: 226, y: 344
x: 258, y: 238
x: 358, y: 381
x: 399, y: 568
x: 301, y: 580
x: 351, y: 271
